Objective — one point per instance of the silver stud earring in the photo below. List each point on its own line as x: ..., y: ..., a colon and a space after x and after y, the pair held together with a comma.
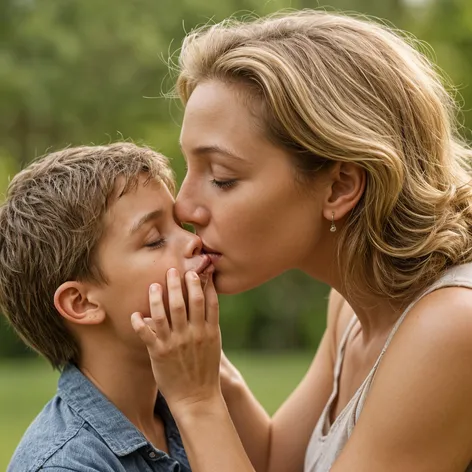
x: 333, y: 226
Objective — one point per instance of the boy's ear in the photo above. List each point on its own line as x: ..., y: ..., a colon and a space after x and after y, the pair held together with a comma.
x: 73, y: 301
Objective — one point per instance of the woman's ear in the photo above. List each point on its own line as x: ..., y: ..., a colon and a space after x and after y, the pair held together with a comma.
x: 347, y: 185
x: 74, y: 302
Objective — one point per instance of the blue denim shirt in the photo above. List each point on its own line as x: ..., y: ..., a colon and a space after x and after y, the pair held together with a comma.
x: 80, y: 430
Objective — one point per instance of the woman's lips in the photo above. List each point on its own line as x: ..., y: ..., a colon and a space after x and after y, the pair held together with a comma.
x: 212, y: 254
x: 214, y: 257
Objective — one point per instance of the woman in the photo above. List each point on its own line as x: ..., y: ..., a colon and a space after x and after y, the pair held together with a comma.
x: 328, y: 144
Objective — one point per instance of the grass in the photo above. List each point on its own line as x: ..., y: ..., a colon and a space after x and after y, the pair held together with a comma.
x: 25, y: 386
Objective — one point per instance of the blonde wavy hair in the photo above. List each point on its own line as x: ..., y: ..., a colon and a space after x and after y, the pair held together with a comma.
x: 339, y: 88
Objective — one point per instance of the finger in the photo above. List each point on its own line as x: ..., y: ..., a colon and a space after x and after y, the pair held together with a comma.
x: 143, y: 331
x: 212, y: 309
x: 158, y: 313
x: 150, y: 323
x: 178, y: 312
x: 196, y: 299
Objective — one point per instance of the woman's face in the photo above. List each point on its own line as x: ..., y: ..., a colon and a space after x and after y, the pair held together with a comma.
x: 240, y: 193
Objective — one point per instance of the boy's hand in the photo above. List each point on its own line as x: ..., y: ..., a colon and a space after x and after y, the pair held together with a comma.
x: 185, y: 354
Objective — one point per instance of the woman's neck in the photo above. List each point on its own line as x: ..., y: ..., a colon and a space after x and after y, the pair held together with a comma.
x: 377, y: 315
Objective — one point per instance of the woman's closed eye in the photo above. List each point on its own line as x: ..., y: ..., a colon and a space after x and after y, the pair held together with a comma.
x: 223, y: 184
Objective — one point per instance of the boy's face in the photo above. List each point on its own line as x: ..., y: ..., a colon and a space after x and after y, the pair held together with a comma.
x: 142, y: 240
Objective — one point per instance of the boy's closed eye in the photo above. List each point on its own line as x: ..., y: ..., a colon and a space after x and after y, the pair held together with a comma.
x: 156, y: 243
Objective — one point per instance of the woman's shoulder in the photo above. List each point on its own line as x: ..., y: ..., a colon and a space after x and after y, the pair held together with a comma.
x: 435, y: 338
x: 423, y: 384
x: 445, y: 312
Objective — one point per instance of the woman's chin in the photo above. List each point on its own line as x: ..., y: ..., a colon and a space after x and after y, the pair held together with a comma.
x: 227, y: 285
x: 223, y: 287
x: 233, y: 284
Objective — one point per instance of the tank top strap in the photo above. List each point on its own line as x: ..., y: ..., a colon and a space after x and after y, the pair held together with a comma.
x: 337, y: 372
x: 457, y: 276
x: 324, y: 423
x: 341, y: 349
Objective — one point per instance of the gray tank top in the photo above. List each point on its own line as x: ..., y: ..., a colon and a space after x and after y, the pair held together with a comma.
x: 328, y: 440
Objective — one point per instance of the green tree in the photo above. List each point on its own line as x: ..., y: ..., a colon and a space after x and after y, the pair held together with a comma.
x: 82, y: 71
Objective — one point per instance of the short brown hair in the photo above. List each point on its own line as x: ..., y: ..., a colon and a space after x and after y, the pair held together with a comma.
x: 50, y: 224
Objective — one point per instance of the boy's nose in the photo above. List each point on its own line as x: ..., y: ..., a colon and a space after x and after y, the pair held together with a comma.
x: 193, y: 245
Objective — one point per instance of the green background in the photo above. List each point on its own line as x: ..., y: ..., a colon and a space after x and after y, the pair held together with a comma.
x: 94, y: 71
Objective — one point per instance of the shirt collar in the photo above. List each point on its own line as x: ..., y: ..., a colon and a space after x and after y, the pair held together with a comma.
x: 121, y: 436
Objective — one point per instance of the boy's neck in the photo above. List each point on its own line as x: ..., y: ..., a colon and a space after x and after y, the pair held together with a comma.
x: 128, y: 382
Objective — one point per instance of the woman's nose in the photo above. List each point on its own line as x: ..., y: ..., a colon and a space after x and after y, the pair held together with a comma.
x: 188, y: 207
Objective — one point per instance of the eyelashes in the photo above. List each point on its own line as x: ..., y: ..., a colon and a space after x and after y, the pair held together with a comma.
x: 156, y: 244
x: 223, y: 184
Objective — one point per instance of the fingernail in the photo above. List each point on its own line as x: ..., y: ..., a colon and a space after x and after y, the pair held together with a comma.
x: 173, y: 272
x: 194, y: 275
x: 135, y: 319
x: 154, y: 288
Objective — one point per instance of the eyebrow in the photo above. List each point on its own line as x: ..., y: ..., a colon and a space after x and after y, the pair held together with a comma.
x: 153, y: 215
x: 215, y: 149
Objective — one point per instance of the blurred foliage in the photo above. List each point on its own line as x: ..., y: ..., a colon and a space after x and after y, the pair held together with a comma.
x: 77, y: 72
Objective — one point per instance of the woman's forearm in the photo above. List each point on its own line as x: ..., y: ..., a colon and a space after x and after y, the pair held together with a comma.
x: 252, y: 423
x: 210, y: 438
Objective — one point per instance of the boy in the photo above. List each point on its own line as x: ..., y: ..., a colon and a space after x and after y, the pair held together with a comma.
x: 84, y: 232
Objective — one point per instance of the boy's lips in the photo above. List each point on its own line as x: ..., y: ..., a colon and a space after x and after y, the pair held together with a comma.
x: 205, y: 264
